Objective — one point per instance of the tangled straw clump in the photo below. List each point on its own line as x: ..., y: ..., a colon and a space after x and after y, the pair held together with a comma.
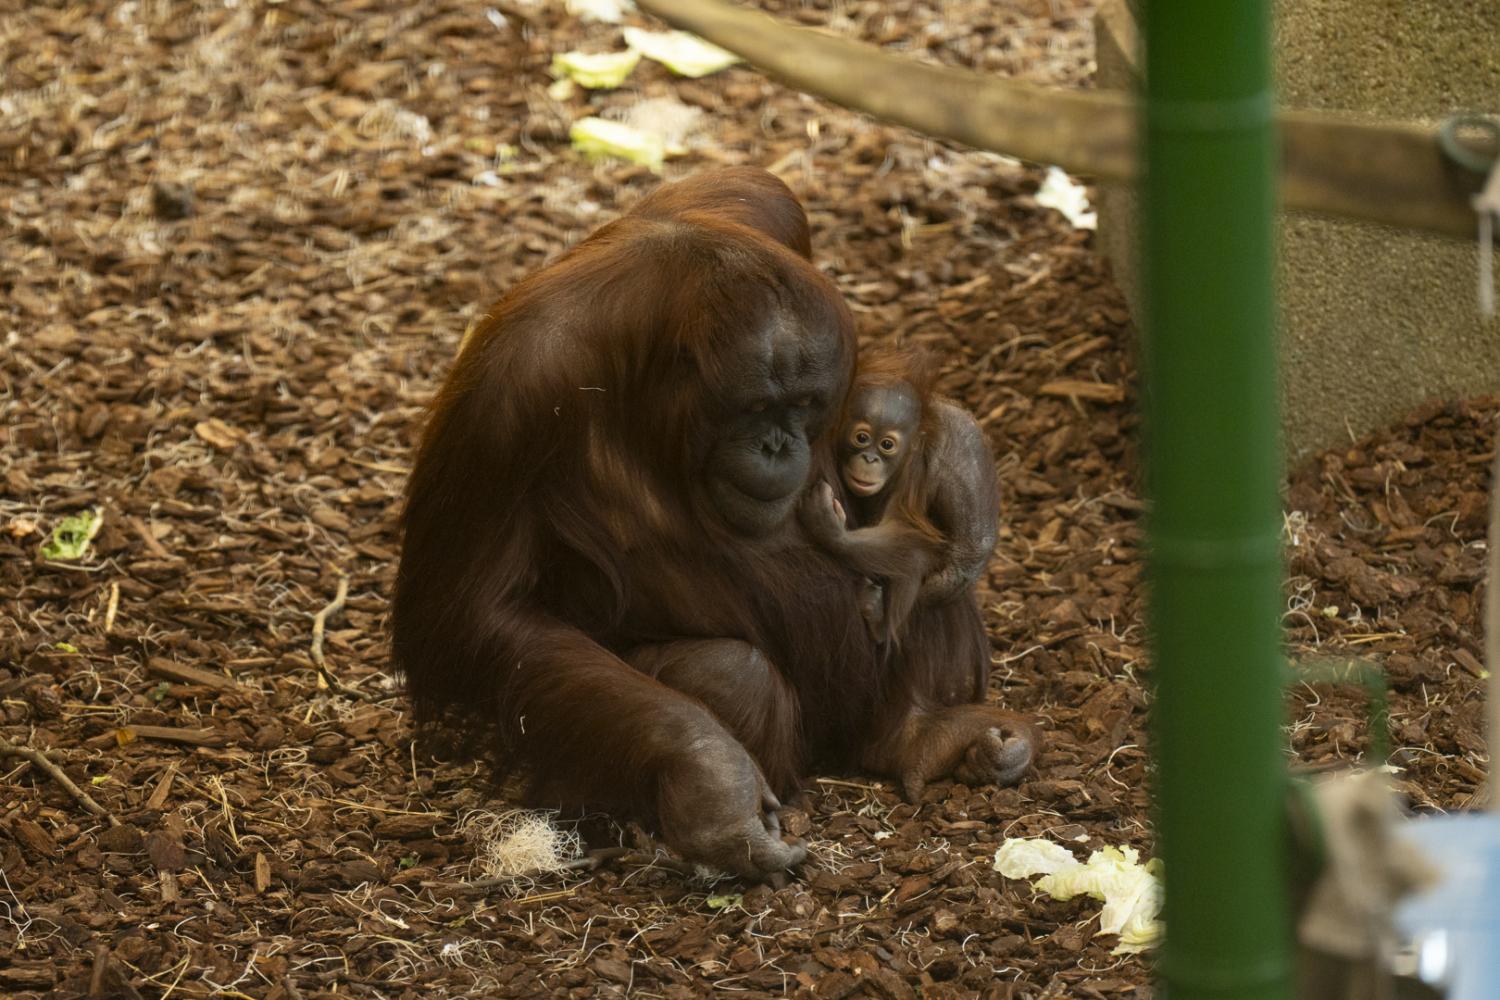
x: 518, y: 842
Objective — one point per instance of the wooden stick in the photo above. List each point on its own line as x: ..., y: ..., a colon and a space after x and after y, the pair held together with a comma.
x: 170, y: 734
x: 45, y: 764
x: 1393, y: 173
x: 1090, y: 131
x: 162, y: 667
x: 1339, y: 164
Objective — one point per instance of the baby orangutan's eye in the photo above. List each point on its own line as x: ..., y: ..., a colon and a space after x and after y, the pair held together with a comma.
x: 861, y: 438
x: 887, y: 445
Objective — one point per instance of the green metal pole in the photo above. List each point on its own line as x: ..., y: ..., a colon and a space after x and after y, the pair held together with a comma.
x: 1213, y: 470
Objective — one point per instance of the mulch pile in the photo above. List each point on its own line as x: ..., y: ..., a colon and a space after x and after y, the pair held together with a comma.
x: 242, y: 242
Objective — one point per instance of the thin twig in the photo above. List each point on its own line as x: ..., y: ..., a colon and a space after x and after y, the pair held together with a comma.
x: 320, y: 622
x: 849, y: 784
x: 46, y: 764
x: 901, y: 913
x: 593, y: 859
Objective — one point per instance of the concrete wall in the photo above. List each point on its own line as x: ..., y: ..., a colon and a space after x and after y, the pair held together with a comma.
x: 1374, y: 320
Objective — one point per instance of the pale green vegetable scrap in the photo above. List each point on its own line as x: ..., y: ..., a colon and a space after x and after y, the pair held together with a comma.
x: 1131, y: 892
x: 1138, y: 936
x: 70, y: 539
x: 598, y: 137
x: 595, y: 71
x: 1019, y: 858
x: 680, y: 52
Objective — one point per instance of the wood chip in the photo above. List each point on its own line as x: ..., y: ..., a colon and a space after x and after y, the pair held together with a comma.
x: 1100, y: 392
x: 34, y: 836
x: 262, y: 873
x: 218, y: 434
x: 1083, y: 350
x: 158, y: 799
x: 167, y: 854
x: 148, y: 537
x: 1468, y: 661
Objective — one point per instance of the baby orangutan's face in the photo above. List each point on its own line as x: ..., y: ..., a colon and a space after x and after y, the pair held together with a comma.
x: 882, y: 426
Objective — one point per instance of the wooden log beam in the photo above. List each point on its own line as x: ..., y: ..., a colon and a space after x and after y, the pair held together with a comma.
x: 1387, y: 172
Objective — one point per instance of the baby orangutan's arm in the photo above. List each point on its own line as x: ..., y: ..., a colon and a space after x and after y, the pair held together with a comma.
x: 892, y: 551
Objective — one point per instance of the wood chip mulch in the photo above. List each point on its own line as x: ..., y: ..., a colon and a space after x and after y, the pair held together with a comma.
x: 242, y: 240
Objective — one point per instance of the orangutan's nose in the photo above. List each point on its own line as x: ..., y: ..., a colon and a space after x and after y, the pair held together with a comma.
x: 775, y: 442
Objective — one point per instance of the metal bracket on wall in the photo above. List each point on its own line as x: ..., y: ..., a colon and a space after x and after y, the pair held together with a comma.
x: 1487, y: 202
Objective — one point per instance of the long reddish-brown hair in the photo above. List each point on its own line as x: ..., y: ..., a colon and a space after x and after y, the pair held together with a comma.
x: 557, y: 499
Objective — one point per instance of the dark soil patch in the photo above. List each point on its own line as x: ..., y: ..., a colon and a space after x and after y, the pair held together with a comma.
x: 243, y: 240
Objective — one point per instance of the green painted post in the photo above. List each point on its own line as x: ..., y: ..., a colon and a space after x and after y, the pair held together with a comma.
x: 1213, y: 473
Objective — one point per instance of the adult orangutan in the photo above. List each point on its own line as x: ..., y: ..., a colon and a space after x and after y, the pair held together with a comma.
x: 603, y: 574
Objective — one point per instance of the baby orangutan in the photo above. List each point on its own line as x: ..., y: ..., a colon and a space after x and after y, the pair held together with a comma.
x: 924, y: 497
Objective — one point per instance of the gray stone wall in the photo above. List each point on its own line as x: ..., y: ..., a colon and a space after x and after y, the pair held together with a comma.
x: 1374, y: 320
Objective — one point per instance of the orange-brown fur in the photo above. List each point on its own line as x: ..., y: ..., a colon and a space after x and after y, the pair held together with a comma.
x: 555, y: 525
x: 905, y: 497
x: 905, y: 545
